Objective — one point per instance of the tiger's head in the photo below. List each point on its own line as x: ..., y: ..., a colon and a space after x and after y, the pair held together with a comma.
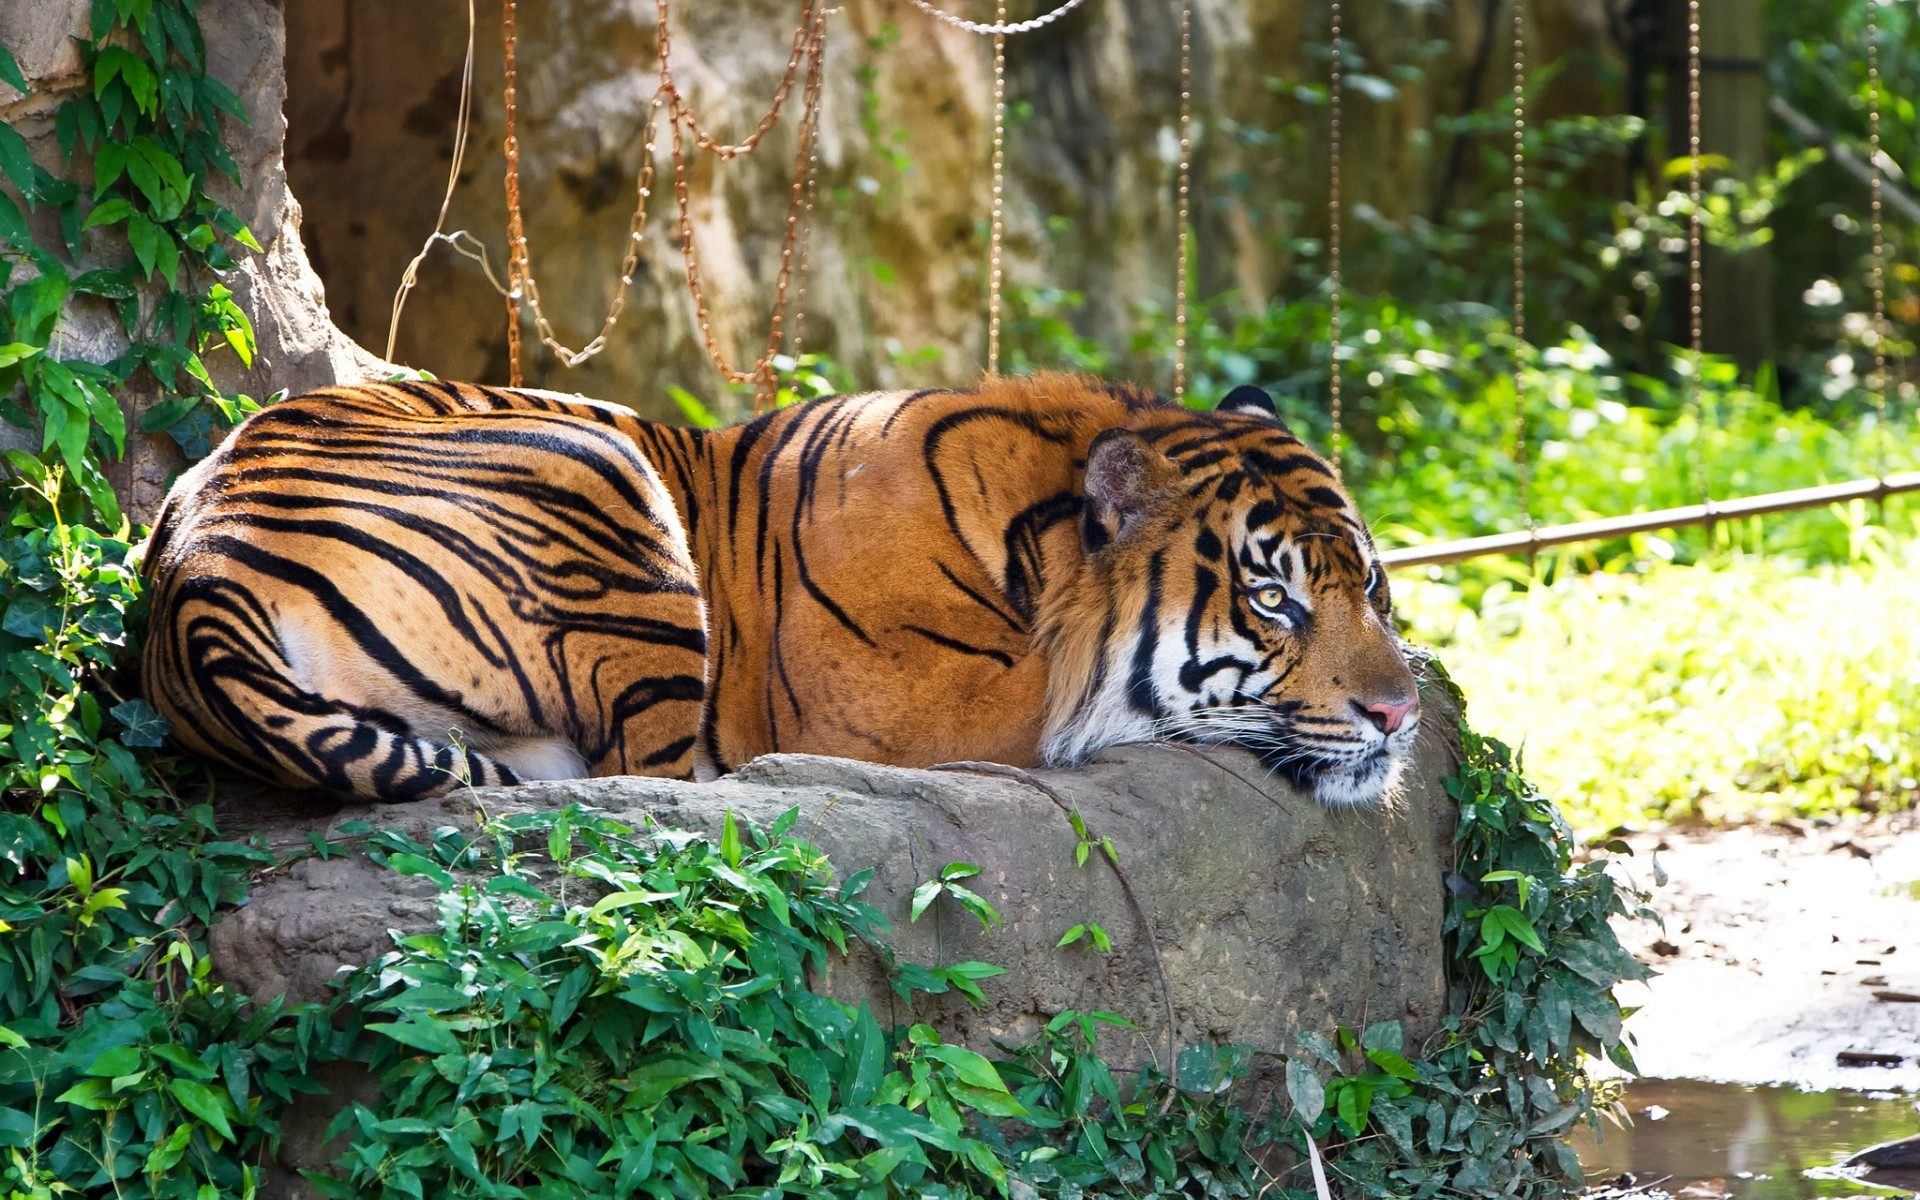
x: 1228, y: 592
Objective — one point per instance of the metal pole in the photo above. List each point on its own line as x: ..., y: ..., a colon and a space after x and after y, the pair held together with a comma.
x: 1530, y: 541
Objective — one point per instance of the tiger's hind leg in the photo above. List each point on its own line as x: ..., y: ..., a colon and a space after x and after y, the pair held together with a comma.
x: 217, y: 671
x: 639, y: 692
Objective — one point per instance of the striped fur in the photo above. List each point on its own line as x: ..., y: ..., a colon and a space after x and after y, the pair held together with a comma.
x: 1025, y: 572
x: 383, y: 591
x: 920, y: 577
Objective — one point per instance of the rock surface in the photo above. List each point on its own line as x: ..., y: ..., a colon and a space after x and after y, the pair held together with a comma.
x: 1777, y: 945
x: 899, y: 246
x: 298, y: 346
x: 1264, y: 913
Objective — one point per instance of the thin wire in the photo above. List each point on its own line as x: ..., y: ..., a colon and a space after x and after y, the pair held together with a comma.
x: 1333, y: 242
x: 1878, y: 381
x: 997, y: 224
x: 1000, y: 27
x: 1185, y: 226
x: 1522, y: 466
x: 462, y: 123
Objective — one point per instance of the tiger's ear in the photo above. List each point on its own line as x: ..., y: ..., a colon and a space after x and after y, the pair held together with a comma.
x: 1254, y: 402
x: 1124, y: 476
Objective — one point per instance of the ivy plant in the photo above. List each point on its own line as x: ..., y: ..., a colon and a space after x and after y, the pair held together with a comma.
x: 124, y: 1068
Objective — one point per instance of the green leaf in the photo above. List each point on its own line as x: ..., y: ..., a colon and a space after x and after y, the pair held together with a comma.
x: 414, y: 864
x: 923, y: 895
x: 141, y: 724
x: 13, y: 224
x: 15, y: 161
x: 1383, y: 1035
x: 89, y: 1094
x: 204, y: 1103
x: 1308, y: 1094
x: 419, y: 1032
x: 14, y: 352
x: 145, y: 237
x: 974, y: 903
x: 179, y: 1056
x: 31, y: 615
x: 120, y: 1060
x: 969, y: 1067
x: 1393, y: 1064
x: 10, y: 71
x: 730, y: 841
x: 108, y: 212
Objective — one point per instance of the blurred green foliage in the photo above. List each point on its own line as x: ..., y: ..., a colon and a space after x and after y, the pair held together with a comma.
x: 1743, y: 688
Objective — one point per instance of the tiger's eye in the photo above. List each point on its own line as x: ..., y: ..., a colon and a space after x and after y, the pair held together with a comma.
x: 1271, y: 597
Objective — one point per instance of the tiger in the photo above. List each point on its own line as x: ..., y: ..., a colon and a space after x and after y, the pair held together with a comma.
x: 376, y: 597
x: 1034, y: 569
x: 1026, y: 571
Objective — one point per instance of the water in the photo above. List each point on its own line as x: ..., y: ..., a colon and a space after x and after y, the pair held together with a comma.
x: 1765, y: 1143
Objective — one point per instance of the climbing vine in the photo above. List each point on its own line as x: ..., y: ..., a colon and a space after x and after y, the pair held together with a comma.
x: 658, y: 1035
x: 123, y: 1067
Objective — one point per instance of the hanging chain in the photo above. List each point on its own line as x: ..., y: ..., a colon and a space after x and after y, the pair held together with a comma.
x: 1694, y: 306
x: 1878, y: 381
x: 803, y: 38
x: 762, y: 375
x: 1333, y: 243
x: 1522, y: 467
x: 516, y: 237
x: 997, y: 223
x: 809, y: 45
x: 797, y: 340
x: 1184, y: 226
x: 1000, y: 27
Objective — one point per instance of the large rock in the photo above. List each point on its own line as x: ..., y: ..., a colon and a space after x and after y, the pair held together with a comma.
x: 1254, y: 913
x: 298, y: 346
x: 899, y: 244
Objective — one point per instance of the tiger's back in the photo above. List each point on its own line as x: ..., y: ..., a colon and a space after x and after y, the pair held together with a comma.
x: 385, y: 590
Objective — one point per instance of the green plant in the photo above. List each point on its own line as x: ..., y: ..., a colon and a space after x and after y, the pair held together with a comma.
x: 1742, y: 688
x: 1484, y: 1108
x: 124, y: 1068
x: 947, y: 883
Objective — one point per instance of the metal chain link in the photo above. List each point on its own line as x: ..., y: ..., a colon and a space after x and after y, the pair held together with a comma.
x: 1878, y: 381
x: 1522, y: 467
x: 762, y: 375
x: 1000, y: 27
x: 997, y: 222
x: 1694, y: 271
x: 1184, y: 226
x: 1333, y: 242
x: 809, y: 44
x: 516, y: 239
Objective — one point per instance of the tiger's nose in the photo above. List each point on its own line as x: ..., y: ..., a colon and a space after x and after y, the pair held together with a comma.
x: 1386, y: 717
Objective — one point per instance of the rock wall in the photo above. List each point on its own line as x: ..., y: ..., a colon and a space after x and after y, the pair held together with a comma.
x: 1254, y: 913
x: 899, y: 244
x: 299, y: 348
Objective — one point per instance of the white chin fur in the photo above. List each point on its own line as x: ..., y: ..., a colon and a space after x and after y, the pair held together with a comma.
x: 1370, y: 784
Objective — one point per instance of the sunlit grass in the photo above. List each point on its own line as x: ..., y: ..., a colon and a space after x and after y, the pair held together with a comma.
x: 1743, y: 688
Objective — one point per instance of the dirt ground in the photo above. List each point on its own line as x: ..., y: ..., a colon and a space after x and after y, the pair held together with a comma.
x: 1785, y: 948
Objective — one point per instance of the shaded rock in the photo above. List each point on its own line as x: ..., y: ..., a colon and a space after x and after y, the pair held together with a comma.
x: 1903, y: 1154
x: 899, y: 241
x: 298, y: 346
